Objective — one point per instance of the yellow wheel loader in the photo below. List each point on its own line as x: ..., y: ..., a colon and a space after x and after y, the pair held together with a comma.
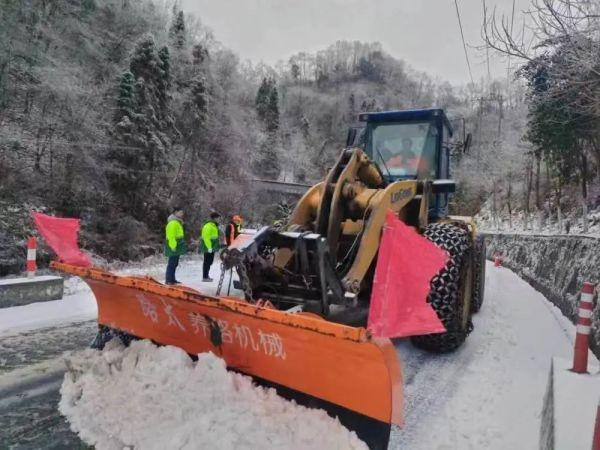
x: 308, y: 288
x: 324, y: 260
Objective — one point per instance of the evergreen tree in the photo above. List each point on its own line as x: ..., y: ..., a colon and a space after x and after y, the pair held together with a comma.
x: 144, y: 130
x: 199, y: 54
x: 262, y: 99
x: 295, y: 70
x: 177, y: 31
x: 267, y: 104
x: 125, y: 98
x: 200, y: 98
x: 267, y: 164
x: 143, y: 63
x: 272, y: 118
x: 164, y: 77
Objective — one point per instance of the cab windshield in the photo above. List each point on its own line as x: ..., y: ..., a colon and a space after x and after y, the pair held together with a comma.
x: 404, y: 150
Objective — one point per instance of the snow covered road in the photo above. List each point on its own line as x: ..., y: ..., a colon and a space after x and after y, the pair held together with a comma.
x: 486, y: 395
x: 489, y: 393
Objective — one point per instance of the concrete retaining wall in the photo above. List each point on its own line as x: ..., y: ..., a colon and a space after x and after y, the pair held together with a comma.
x: 556, y: 266
x: 22, y: 291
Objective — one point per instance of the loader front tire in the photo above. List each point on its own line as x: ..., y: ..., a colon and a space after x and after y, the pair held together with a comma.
x: 450, y: 294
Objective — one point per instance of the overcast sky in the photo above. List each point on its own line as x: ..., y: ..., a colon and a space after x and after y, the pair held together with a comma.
x: 425, y: 33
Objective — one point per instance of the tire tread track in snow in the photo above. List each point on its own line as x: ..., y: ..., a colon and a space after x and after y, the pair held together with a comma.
x: 489, y: 393
x: 39, y: 345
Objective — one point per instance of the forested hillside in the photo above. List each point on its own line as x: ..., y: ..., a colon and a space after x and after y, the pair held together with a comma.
x: 558, y: 62
x: 116, y: 110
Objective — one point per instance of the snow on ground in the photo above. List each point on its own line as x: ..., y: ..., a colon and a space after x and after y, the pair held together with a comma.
x: 153, y: 397
x: 574, y: 392
x: 519, y: 224
x: 26, y: 280
x: 79, y: 304
x: 489, y: 394
x: 72, y: 308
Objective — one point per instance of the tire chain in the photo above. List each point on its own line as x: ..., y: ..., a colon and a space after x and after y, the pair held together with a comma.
x: 243, y: 274
x: 445, y: 288
x: 228, y: 261
x: 222, y: 276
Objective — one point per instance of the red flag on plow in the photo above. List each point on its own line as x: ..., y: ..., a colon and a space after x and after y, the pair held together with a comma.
x: 405, y: 266
x: 61, y: 235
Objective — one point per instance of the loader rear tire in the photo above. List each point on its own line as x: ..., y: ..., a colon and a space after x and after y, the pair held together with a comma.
x: 478, y: 273
x: 450, y: 289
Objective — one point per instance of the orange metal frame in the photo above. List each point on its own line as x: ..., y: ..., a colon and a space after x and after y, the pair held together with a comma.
x: 340, y: 364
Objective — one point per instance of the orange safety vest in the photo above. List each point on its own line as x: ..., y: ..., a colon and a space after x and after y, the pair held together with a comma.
x: 233, y: 231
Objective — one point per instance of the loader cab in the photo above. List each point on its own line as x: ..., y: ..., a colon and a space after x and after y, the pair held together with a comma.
x: 408, y: 144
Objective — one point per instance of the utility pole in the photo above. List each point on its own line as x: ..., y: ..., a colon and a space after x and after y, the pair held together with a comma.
x: 500, y: 114
x: 479, y: 125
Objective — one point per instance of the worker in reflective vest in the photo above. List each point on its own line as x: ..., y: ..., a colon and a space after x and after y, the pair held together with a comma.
x: 209, y: 244
x: 233, y: 229
x: 175, y: 245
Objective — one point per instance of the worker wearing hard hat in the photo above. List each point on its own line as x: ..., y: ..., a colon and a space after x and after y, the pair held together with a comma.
x: 233, y: 229
x: 209, y: 244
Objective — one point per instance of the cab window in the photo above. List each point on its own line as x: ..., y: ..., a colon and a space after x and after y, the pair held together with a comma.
x: 406, y: 150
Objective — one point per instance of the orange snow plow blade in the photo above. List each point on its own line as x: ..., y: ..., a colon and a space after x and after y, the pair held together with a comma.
x: 342, y: 366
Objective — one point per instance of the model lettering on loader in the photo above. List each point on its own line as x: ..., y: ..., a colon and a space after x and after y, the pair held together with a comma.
x: 401, y: 195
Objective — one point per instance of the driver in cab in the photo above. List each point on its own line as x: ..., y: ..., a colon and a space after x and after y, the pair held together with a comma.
x: 403, y: 159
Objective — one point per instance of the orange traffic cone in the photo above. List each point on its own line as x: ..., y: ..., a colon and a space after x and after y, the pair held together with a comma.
x: 497, y: 260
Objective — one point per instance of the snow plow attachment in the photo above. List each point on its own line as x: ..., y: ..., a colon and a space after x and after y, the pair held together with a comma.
x: 339, y: 368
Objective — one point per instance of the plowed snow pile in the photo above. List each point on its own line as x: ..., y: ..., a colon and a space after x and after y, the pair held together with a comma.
x: 149, y: 397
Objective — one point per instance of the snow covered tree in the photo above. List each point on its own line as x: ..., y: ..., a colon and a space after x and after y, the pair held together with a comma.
x: 143, y: 130
x: 562, y: 75
x: 295, y: 70
x: 267, y: 104
x: 267, y: 163
x: 199, y: 54
x: 125, y: 99
x: 272, y: 117
x: 177, y: 30
x: 262, y: 99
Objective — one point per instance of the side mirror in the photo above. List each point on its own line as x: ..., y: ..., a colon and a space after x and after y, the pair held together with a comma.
x: 467, y: 143
x: 443, y: 186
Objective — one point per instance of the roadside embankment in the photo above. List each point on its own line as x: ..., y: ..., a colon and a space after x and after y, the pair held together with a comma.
x: 556, y: 266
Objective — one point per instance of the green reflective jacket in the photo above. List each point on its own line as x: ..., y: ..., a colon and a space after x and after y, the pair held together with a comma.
x: 209, y: 237
x: 174, y: 237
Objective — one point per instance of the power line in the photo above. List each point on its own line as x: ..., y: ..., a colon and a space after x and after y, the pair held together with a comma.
x: 487, y: 57
x: 462, y: 35
x: 487, y: 46
x: 512, y: 22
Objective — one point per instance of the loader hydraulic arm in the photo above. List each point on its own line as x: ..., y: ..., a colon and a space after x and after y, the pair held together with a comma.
x: 395, y: 197
x: 327, y: 251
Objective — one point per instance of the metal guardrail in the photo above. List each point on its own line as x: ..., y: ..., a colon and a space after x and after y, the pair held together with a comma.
x: 282, y: 187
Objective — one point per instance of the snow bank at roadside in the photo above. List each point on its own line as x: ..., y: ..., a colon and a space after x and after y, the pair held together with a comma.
x: 79, y: 304
x: 151, y: 397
